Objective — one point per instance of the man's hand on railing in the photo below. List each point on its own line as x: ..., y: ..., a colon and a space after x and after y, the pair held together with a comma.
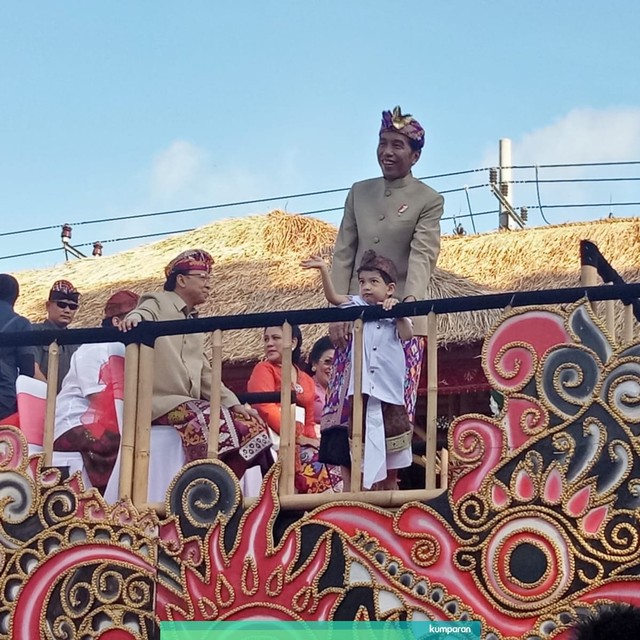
x: 338, y: 332
x: 248, y: 412
x: 127, y: 324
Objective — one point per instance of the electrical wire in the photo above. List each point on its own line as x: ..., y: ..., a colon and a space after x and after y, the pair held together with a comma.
x: 473, y: 222
x: 139, y: 216
x: 537, y: 181
x: 538, y: 195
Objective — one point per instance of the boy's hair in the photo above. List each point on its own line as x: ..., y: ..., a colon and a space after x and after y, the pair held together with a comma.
x: 9, y: 288
x: 618, y: 620
x: 371, y: 261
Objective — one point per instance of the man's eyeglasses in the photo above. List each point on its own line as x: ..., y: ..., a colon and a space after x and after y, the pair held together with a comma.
x: 199, y: 274
x: 61, y: 304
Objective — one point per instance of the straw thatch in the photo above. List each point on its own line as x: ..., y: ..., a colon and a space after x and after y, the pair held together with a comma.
x: 257, y: 270
x: 542, y: 257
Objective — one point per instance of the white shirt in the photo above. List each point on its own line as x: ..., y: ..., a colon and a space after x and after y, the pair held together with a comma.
x: 85, y: 378
x: 383, y: 372
x: 383, y: 361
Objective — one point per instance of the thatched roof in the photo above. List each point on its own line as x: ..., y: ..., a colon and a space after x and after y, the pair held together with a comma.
x: 257, y: 270
x: 542, y: 257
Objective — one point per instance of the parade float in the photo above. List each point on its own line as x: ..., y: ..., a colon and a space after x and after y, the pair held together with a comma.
x: 526, y: 519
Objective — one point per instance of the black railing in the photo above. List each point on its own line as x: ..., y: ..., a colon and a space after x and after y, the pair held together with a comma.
x: 147, y: 332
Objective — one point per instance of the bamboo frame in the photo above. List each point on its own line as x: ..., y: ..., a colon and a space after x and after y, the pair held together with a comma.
x: 309, y: 501
x: 287, y: 449
x: 396, y: 498
x: 610, y: 319
x: 357, y: 409
x: 432, y: 401
x: 444, y: 468
x: 589, y: 278
x: 628, y: 322
x: 216, y: 387
x: 143, y: 426
x: 50, y: 411
x: 128, y: 442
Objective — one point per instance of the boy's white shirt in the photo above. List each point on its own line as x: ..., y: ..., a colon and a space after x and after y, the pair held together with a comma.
x: 383, y: 373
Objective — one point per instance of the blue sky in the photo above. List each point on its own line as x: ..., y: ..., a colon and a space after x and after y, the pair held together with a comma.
x: 119, y: 108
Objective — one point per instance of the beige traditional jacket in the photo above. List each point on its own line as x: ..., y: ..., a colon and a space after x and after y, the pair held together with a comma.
x: 182, y: 370
x: 398, y: 219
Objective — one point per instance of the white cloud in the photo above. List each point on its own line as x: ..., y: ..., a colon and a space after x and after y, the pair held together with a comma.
x: 176, y: 169
x: 184, y: 175
x: 583, y: 135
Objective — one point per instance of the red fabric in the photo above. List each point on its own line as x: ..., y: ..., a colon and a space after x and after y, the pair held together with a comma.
x: 12, y: 420
x: 268, y: 377
x: 102, y: 414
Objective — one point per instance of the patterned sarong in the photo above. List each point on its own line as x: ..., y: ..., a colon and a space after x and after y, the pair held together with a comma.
x: 247, y: 438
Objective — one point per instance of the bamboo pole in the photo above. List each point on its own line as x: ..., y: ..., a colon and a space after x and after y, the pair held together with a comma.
x: 395, y: 498
x: 444, y: 468
x: 432, y: 400
x: 143, y: 426
x: 309, y: 501
x: 216, y: 388
x: 589, y: 278
x: 627, y: 329
x: 287, y: 449
x: 357, y: 409
x: 50, y: 411
x: 610, y: 319
x: 127, y: 446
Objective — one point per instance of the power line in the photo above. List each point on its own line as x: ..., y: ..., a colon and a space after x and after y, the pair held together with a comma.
x: 539, y: 200
x: 574, y: 180
x: 139, y: 216
x: 473, y: 222
x: 537, y: 181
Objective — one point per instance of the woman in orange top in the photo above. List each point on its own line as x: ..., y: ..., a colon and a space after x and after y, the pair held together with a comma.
x: 311, y: 476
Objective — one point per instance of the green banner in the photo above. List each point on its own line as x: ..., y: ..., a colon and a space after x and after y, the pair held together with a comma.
x: 273, y: 630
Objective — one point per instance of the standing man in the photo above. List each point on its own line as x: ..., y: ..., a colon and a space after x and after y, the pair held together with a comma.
x: 62, y: 307
x: 13, y: 360
x: 182, y: 372
x: 397, y: 216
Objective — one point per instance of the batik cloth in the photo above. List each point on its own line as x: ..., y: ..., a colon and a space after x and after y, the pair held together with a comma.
x: 238, y: 435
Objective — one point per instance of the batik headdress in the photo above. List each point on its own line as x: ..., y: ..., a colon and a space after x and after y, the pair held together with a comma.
x: 64, y: 290
x: 405, y: 124
x: 191, y: 260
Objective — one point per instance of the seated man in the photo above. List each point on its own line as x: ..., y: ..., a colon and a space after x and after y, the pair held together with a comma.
x: 61, y: 306
x: 182, y: 380
x: 86, y: 419
x: 13, y: 360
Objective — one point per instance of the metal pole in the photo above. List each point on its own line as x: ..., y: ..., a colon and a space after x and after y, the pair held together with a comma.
x: 504, y: 179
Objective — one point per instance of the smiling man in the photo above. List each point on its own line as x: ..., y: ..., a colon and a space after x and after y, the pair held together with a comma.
x: 61, y: 307
x: 397, y: 216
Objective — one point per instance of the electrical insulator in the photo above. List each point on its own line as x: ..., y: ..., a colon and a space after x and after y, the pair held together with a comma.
x: 504, y: 189
x: 493, y: 175
x: 524, y: 213
x: 97, y: 248
x: 66, y: 233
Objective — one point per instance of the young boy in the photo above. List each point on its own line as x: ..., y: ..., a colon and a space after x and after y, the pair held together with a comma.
x: 387, y: 426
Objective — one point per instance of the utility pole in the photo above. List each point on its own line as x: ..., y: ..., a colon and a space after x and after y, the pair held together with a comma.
x: 504, y: 184
x: 501, y: 187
